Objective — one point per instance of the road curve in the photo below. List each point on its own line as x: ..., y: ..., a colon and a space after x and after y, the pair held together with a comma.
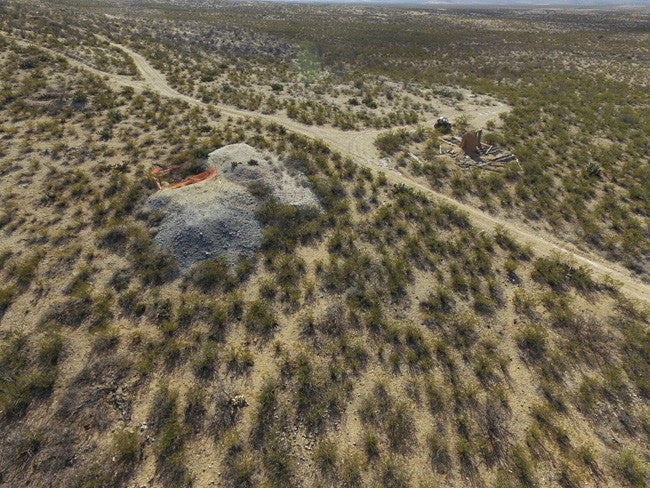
x: 359, y: 145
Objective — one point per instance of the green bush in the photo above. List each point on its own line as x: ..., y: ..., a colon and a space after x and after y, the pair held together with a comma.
x: 239, y: 359
x: 592, y: 169
x: 195, y: 409
x: 153, y: 266
x: 206, y: 360
x: 394, y: 417
x: 285, y: 226
x: 239, y: 464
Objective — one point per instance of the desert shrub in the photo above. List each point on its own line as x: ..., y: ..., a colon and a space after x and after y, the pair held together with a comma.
x: 466, y: 452
x: 325, y: 455
x: 585, y: 454
x: 317, y: 396
x: 238, y: 463
x: 333, y: 321
x: 522, y: 466
x: 438, y: 452
x: 120, y: 279
x: 484, y: 305
x: 393, y: 474
x: 259, y: 318
x: 25, y: 443
x: 588, y: 394
x: 212, y: 274
x: 24, y: 270
x: 115, y: 237
x: 533, y: 340
x: 440, y: 301
x: 105, y: 340
x: 285, y: 226
x: 392, y: 141
x: 153, y: 266
x: 628, y: 467
x: 435, y: 395
x: 419, y: 354
x: 130, y: 303
x: 170, y: 454
x: 244, y: 267
x: 195, y: 409
x: 464, y: 330
x: 400, y: 426
x: 394, y: 417
x: 268, y: 289
x: 217, y: 320
x: 636, y: 350
x: 17, y: 395
x: 558, y: 274
x: 7, y: 295
x: 263, y: 419
x: 169, y: 447
x: 277, y: 461
x: 568, y: 477
x: 49, y: 349
x: 370, y: 443
x: 127, y: 446
x: 206, y: 360
x: 238, y: 359
x: 351, y: 470
x: 22, y: 381
x: 163, y: 407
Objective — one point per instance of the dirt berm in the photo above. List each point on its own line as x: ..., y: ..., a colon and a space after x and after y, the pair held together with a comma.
x: 218, y: 216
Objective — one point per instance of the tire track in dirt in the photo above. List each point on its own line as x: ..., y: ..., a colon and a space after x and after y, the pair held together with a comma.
x: 359, y: 145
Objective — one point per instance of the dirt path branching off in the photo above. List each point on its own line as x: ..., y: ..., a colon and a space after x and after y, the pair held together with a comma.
x: 359, y: 145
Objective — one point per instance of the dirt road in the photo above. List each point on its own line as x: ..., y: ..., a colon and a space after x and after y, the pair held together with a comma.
x: 359, y: 145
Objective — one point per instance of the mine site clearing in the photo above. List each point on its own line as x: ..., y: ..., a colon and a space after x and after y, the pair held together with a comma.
x: 360, y: 145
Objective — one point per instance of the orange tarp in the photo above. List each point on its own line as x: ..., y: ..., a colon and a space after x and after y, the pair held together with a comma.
x: 190, y: 180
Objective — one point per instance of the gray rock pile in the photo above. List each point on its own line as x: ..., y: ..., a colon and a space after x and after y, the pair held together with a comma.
x: 217, y: 216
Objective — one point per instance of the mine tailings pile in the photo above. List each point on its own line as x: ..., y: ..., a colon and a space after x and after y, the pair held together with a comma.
x: 214, y: 212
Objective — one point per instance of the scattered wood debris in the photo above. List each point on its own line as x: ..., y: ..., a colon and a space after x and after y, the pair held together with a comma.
x: 491, y: 158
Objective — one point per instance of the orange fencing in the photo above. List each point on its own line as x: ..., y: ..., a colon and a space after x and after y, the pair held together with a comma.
x: 190, y: 180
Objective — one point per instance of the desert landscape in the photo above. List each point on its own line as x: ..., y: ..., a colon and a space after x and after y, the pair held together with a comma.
x: 251, y: 244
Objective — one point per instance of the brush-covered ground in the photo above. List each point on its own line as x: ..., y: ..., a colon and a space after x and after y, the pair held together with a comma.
x: 381, y: 342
